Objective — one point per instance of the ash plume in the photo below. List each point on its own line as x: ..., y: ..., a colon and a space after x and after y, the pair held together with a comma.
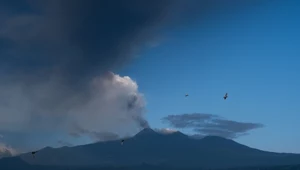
x: 56, y: 57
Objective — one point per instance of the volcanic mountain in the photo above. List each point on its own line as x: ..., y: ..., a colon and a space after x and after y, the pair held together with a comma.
x: 157, y: 149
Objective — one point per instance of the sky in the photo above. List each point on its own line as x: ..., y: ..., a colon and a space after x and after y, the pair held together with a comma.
x: 74, y: 74
x: 251, y: 54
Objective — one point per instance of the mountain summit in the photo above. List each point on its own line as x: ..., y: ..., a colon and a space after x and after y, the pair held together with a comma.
x: 147, y: 132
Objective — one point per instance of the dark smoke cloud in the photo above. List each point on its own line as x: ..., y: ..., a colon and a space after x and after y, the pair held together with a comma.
x: 52, y: 50
x: 95, y: 136
x: 106, y: 109
x: 55, y: 56
x: 79, y: 38
x: 82, y: 38
x: 105, y: 136
x: 207, y: 124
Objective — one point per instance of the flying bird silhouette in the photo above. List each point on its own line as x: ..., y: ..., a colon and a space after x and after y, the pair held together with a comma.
x: 225, y: 97
x: 186, y: 95
x: 33, y: 153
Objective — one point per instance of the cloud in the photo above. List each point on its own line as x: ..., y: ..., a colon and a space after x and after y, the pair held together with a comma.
x: 79, y: 38
x: 7, y: 151
x: 208, y: 124
x: 114, y: 108
x: 84, y: 38
x: 188, y: 120
x: 95, y: 136
x: 165, y: 130
x: 106, y: 136
x: 55, y: 56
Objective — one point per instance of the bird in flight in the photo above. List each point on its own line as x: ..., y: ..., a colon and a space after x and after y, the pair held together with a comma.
x: 225, y: 97
x: 33, y: 153
x: 186, y: 95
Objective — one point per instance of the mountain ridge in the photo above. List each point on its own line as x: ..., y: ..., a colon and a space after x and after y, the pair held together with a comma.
x: 148, y: 146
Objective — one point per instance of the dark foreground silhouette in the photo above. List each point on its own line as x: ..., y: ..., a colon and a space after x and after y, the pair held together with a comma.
x: 24, y: 166
x: 151, y: 150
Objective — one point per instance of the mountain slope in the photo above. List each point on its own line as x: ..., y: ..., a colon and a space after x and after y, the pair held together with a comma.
x: 174, y: 149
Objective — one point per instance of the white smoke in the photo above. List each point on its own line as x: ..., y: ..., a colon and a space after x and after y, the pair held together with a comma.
x: 112, y: 104
x: 166, y: 130
x: 7, y: 151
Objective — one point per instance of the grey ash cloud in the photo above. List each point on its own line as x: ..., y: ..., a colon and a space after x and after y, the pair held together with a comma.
x: 52, y: 50
x: 208, y: 124
x: 56, y: 57
x: 80, y: 39
x: 95, y: 136
x: 105, y: 136
x: 77, y: 38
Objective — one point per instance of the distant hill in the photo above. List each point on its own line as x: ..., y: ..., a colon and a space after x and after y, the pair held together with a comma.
x: 158, y: 150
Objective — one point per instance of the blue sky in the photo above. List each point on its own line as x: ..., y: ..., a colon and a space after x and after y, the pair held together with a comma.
x: 252, y: 54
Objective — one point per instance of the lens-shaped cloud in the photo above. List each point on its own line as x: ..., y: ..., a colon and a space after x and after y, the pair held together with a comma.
x: 208, y: 124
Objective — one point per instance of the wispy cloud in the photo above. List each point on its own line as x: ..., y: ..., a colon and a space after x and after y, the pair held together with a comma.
x: 7, y: 151
x: 165, y: 130
x: 208, y: 124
